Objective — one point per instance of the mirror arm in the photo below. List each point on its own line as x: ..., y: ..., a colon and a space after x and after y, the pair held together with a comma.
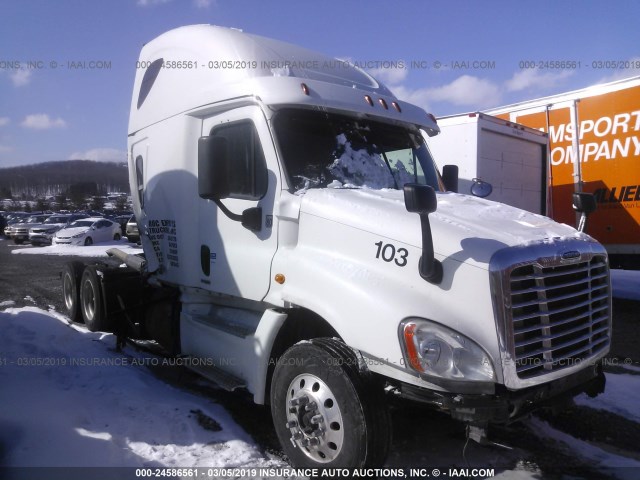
x: 251, y: 218
x: 232, y: 216
x: 430, y: 269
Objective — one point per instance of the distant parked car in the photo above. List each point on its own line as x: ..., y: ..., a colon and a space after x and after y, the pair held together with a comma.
x: 13, y: 218
x: 20, y: 232
x: 42, y: 234
x: 122, y: 220
x: 132, y: 233
x: 88, y: 231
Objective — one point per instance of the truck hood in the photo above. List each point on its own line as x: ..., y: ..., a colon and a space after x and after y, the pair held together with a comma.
x: 464, y: 228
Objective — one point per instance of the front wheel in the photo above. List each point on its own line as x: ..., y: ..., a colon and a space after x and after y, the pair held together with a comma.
x: 116, y: 237
x: 88, y: 241
x: 326, y: 412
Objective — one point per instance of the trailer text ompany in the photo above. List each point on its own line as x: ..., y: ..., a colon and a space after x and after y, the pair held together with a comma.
x: 603, y: 127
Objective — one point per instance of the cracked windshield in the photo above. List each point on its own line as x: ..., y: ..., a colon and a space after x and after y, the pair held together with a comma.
x: 321, y: 149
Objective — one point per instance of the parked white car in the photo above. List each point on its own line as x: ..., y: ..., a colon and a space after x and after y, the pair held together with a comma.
x: 88, y: 231
x: 42, y: 234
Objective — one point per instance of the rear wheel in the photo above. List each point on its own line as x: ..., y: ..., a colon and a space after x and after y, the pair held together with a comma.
x: 71, y: 275
x: 116, y: 236
x: 91, y: 301
x: 88, y: 241
x: 326, y: 412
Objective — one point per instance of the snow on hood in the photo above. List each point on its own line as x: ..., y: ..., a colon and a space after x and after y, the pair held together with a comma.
x: 464, y: 228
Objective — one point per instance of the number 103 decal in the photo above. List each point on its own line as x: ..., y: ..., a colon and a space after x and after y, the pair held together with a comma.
x: 389, y: 253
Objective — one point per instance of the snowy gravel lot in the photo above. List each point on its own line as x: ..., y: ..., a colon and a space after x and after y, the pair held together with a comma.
x: 69, y: 399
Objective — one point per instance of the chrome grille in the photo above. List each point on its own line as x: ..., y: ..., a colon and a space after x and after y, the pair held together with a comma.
x: 559, y: 314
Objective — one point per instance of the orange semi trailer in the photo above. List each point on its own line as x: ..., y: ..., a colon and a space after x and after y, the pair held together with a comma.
x: 594, y: 147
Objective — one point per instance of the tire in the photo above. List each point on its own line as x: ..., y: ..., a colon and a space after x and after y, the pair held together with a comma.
x: 320, y: 380
x: 116, y: 237
x: 91, y: 301
x: 71, y: 275
x: 88, y: 241
x: 18, y: 241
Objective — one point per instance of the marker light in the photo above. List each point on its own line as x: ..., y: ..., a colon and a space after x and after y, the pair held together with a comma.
x: 279, y: 278
x: 396, y: 105
x: 383, y: 103
x: 305, y: 88
x: 369, y: 100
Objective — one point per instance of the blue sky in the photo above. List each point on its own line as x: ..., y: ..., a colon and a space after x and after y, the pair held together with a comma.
x: 59, y: 113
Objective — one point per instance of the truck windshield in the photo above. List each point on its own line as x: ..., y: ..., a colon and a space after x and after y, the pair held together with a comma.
x: 321, y: 149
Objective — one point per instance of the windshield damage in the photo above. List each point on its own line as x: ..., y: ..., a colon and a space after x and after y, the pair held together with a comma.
x: 322, y: 150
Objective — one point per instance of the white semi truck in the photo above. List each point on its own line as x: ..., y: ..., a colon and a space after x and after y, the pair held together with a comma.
x: 300, y: 243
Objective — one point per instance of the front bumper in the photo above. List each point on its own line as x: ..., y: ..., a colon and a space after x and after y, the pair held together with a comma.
x: 506, y: 406
x: 40, y: 239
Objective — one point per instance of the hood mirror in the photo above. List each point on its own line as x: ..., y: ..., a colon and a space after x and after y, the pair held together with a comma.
x: 481, y: 189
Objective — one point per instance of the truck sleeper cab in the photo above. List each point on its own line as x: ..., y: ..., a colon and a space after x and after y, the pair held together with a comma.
x: 300, y: 243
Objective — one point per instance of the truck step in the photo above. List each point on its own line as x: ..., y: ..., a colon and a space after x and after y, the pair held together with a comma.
x: 235, y: 328
x: 223, y: 379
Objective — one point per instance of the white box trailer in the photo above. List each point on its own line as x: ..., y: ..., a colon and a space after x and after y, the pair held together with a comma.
x: 510, y: 157
x: 299, y: 243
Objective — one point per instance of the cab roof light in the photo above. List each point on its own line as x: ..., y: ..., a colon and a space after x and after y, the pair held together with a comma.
x: 369, y: 100
x: 382, y: 102
x: 396, y: 105
x: 432, y: 117
x: 305, y: 88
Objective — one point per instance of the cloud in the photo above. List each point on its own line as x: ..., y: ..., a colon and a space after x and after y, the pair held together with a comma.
x: 5, y: 149
x: 101, y: 155
x: 42, y: 121
x: 623, y: 73
x: 21, y: 77
x: 151, y: 3
x: 535, y: 78
x: 4, y: 121
x: 389, y: 76
x: 203, y: 3
x: 464, y: 91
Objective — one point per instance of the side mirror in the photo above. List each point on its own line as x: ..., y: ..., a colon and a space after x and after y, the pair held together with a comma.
x: 213, y: 168
x: 481, y: 189
x: 585, y: 204
x: 421, y: 199
x: 450, y: 174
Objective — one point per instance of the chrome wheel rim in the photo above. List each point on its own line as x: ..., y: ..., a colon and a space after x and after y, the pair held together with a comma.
x: 314, y: 418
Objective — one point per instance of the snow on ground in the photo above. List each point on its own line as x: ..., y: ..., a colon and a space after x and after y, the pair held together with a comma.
x: 617, y: 466
x: 69, y: 399
x: 621, y: 396
x: 97, y: 250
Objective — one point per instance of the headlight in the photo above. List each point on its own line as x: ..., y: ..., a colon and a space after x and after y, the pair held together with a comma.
x: 438, y: 351
x: 78, y: 235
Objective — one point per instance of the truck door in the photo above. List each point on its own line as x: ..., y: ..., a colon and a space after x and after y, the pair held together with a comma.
x: 235, y: 260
